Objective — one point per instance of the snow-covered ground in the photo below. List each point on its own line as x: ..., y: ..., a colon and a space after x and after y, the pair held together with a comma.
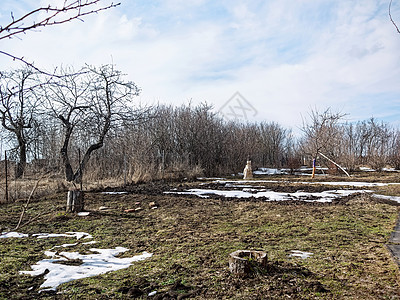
x: 237, y: 183
x: 252, y: 188
x: 99, y: 262
x: 326, y: 196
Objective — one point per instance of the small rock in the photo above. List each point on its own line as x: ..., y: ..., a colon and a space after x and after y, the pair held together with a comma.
x: 151, y: 204
x: 137, y: 203
x: 129, y: 210
x: 138, y: 208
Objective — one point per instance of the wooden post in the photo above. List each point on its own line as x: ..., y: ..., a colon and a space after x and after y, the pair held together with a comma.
x: 124, y: 170
x: 6, y: 174
x: 80, y: 168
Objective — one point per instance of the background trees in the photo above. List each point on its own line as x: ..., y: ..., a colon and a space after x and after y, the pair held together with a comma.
x: 19, y: 111
x: 93, y: 110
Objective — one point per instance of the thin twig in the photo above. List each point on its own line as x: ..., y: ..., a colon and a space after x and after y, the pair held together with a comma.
x: 391, y: 19
x: 25, y: 207
x: 35, y: 218
x: 48, y: 16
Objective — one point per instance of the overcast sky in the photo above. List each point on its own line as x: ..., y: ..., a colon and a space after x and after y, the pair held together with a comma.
x: 284, y: 57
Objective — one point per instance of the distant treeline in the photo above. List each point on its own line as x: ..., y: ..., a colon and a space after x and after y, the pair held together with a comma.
x: 85, y: 121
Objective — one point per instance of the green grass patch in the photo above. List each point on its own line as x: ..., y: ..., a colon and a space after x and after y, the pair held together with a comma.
x: 191, y: 239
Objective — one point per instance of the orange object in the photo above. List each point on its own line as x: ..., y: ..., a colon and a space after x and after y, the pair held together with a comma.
x: 314, y: 163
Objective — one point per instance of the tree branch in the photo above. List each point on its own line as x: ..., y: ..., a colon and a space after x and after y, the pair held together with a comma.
x: 391, y: 19
x: 49, y: 16
x: 16, y: 26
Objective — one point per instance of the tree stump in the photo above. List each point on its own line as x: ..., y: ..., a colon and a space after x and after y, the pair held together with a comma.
x: 75, y: 201
x: 245, y: 262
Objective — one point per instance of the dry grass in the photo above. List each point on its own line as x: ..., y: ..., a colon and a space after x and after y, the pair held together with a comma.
x: 191, y: 239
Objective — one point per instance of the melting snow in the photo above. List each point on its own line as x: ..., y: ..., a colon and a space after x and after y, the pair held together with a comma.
x: 237, y: 183
x: 65, y: 245
x: 301, y: 254
x: 366, y: 169
x: 83, y: 213
x: 114, y: 193
x: 326, y: 196
x: 101, y: 261
x: 393, y: 198
x: 269, y: 171
x: 92, y: 264
x: 5, y: 235
x: 352, y: 183
x: 152, y: 293
x: 71, y: 234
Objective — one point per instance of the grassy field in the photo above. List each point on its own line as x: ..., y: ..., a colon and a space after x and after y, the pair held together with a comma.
x: 191, y: 239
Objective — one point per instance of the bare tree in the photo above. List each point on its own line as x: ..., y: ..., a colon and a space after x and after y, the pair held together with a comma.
x: 321, y: 132
x: 48, y: 15
x: 88, y: 103
x: 19, y: 110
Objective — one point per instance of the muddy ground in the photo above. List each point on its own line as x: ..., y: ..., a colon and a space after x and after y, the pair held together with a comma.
x: 191, y: 239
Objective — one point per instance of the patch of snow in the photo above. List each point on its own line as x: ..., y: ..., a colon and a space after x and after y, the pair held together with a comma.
x: 393, y: 198
x: 114, y: 193
x: 83, y: 213
x: 301, y: 254
x: 366, y: 169
x: 304, y: 168
x: 89, y: 243
x: 237, y: 183
x: 326, y: 196
x: 269, y: 171
x: 102, y: 261
x: 70, y: 234
x: 153, y: 293
x: 308, y: 174
x: 65, y: 245
x: 389, y: 170
x: 351, y: 183
x: 6, y: 235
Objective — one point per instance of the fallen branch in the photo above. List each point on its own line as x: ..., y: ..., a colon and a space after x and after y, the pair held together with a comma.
x: 25, y: 207
x: 34, y: 219
x: 324, y: 156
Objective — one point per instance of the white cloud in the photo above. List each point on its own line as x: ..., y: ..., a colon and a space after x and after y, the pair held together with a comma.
x: 283, y: 56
